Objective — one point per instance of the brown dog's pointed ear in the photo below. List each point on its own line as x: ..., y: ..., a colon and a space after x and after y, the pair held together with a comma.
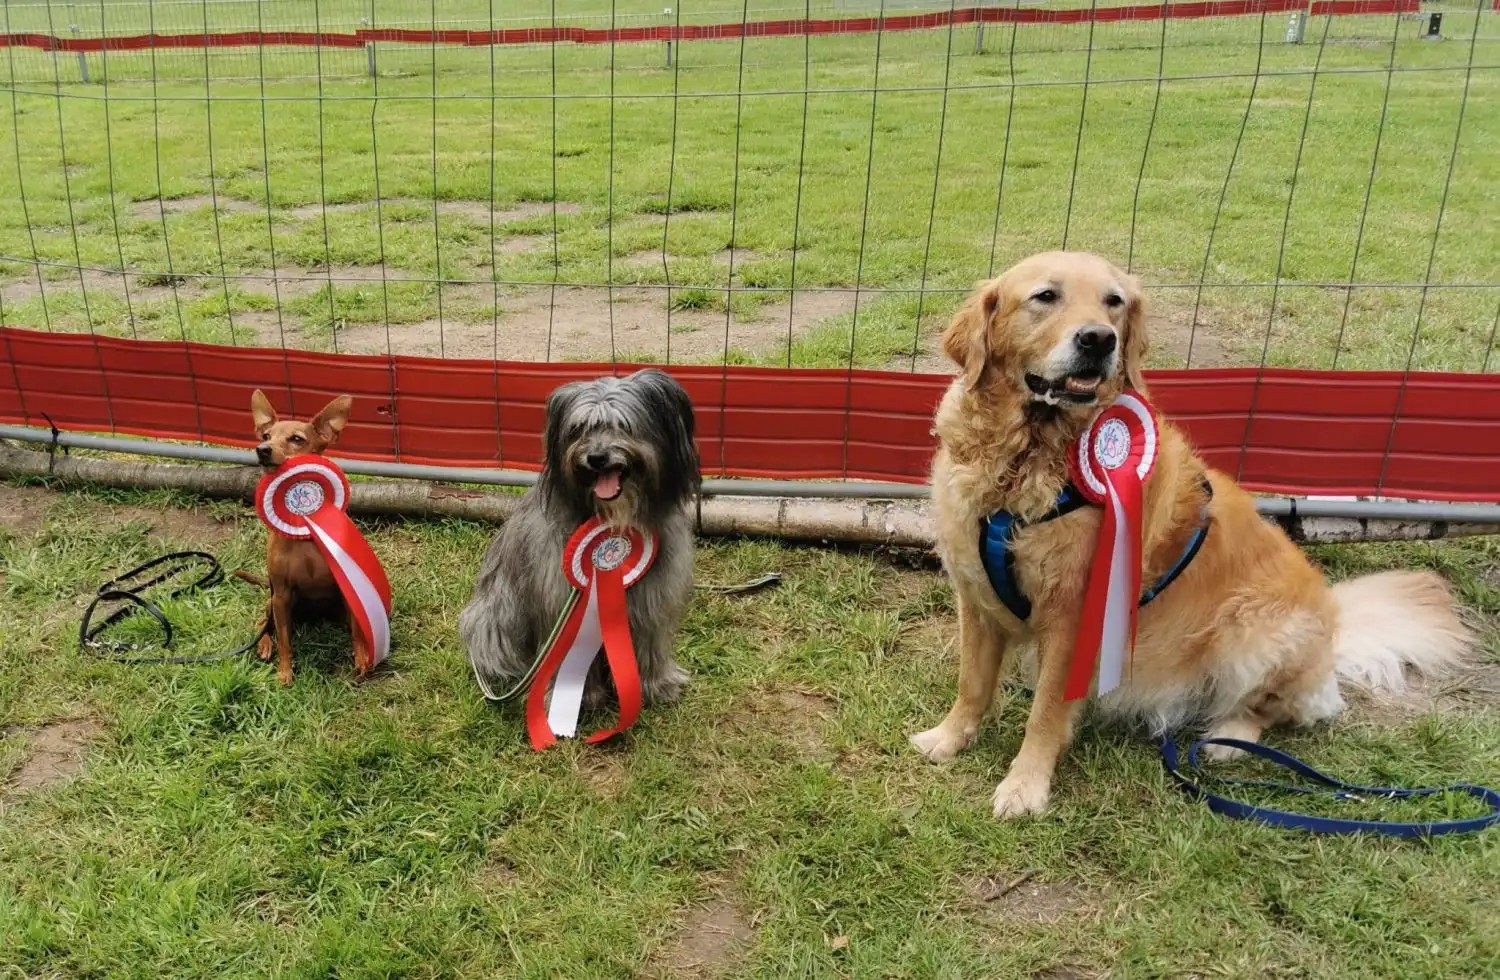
x: 967, y: 339
x: 330, y: 422
x: 261, y: 411
x: 1134, y: 353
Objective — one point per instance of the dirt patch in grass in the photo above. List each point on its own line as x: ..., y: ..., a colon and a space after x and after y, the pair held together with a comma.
x: 154, y: 209
x: 739, y: 256
x: 426, y: 338
x: 794, y: 717
x: 604, y: 772
x: 262, y: 327
x: 518, y: 244
x: 533, y: 323
x: 711, y: 941
x: 653, y: 257
x: 480, y: 211
x: 1067, y: 972
x: 177, y: 524
x: 1019, y: 899
x: 127, y: 286
x: 292, y: 281
x: 54, y: 755
x: 22, y: 509
x: 802, y: 715
x: 578, y: 325
x: 498, y: 874
x: 1175, y: 342
x: 590, y: 324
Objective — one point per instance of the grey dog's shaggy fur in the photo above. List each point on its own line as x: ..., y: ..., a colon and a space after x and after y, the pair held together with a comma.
x: 641, y: 427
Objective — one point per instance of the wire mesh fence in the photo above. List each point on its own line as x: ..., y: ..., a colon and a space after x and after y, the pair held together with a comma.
x: 811, y: 185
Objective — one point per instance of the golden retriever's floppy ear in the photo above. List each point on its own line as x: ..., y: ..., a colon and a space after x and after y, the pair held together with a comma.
x: 330, y: 422
x: 1134, y: 353
x: 967, y: 339
x: 261, y: 411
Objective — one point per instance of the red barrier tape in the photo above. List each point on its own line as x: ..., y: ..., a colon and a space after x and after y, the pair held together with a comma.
x: 1312, y: 431
x: 711, y: 32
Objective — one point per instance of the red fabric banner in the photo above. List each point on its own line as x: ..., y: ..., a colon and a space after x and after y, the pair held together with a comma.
x: 1282, y: 431
x: 711, y: 32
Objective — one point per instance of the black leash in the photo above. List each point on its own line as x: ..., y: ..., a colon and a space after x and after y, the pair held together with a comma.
x: 127, y: 589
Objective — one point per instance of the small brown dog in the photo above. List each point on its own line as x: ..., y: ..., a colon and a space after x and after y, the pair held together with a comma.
x: 297, y: 571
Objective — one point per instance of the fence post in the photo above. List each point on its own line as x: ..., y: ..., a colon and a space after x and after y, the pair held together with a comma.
x: 83, y: 61
x: 667, y: 12
x: 979, y: 38
x: 369, y: 49
x: 1434, y: 27
x: 1296, y: 27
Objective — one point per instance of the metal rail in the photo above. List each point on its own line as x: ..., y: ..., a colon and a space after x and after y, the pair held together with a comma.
x: 1281, y: 507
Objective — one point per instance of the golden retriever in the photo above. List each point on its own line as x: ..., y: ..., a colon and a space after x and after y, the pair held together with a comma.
x: 1250, y: 635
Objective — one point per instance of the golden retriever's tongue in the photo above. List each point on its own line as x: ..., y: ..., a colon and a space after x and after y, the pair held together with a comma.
x: 607, y: 487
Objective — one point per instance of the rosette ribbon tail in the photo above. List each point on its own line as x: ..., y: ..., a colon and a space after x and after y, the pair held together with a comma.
x: 360, y: 576
x: 619, y: 650
x: 1109, y: 464
x: 576, y: 638
x: 595, y: 616
x: 1106, y: 630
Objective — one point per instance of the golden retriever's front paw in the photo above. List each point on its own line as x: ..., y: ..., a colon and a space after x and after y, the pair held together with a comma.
x: 1243, y: 729
x: 1221, y: 753
x: 939, y: 744
x: 1020, y: 794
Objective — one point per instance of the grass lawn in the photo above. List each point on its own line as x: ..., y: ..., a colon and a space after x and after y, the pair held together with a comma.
x: 284, y: 196
x: 205, y: 822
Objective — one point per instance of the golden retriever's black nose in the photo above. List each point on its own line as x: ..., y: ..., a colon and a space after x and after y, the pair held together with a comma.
x: 1095, y: 340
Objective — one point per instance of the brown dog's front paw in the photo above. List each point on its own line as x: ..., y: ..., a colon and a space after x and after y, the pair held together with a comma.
x: 263, y: 648
x: 1020, y: 794
x: 285, y: 676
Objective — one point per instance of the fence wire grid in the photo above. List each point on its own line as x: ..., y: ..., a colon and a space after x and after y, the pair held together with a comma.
x: 1294, y: 189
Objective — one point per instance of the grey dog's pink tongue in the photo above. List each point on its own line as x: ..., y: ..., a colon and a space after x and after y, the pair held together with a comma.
x: 607, y: 487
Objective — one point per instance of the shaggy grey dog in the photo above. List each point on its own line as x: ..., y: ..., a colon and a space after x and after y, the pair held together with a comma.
x: 621, y: 449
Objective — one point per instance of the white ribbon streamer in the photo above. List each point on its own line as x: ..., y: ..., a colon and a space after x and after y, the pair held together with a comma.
x: 573, y: 672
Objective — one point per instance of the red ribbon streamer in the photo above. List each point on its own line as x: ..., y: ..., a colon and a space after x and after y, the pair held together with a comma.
x: 1110, y: 463
x: 600, y: 592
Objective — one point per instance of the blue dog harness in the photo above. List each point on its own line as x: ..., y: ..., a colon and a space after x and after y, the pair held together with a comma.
x: 997, y: 531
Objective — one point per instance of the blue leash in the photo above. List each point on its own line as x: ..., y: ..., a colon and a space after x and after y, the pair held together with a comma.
x: 1336, y: 789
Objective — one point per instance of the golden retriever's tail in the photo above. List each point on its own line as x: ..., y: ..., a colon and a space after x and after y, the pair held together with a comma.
x: 1394, y: 621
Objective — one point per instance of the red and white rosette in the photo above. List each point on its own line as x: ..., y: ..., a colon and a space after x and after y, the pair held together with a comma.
x: 600, y: 562
x: 306, y: 497
x: 1109, y: 465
